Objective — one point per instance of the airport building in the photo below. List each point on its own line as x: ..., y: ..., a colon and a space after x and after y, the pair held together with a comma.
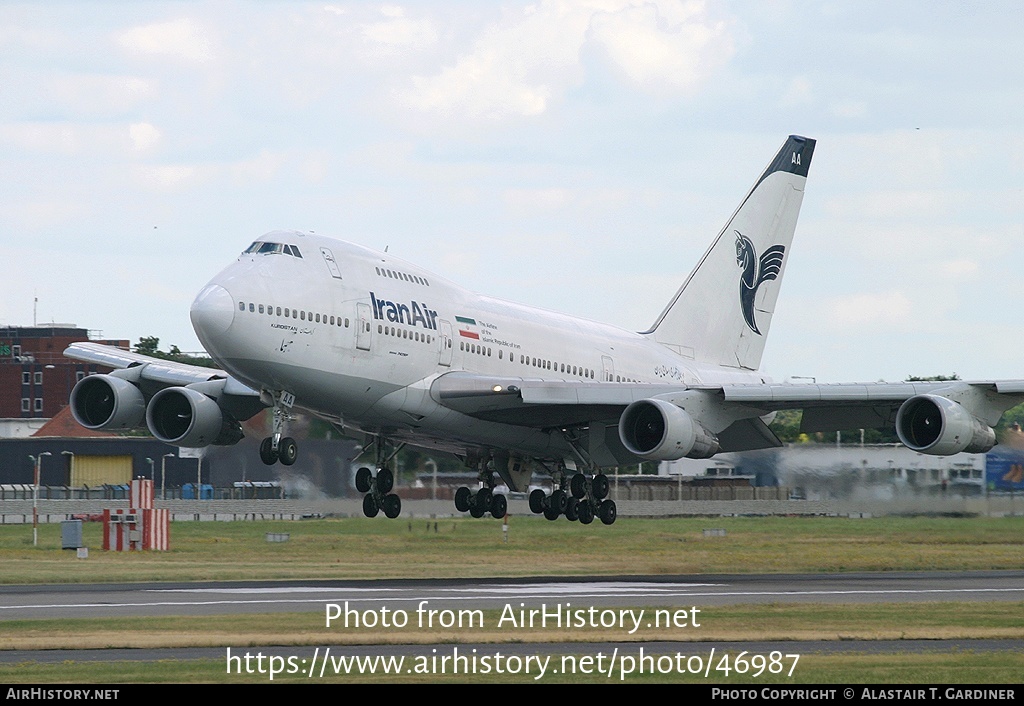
x: 35, y: 377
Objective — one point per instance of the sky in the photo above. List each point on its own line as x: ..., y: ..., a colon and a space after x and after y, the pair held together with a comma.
x: 578, y: 156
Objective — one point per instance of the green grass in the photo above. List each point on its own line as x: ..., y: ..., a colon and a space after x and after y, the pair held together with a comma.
x: 365, y: 549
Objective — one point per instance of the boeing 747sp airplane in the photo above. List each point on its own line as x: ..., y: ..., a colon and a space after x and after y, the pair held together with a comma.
x: 382, y: 348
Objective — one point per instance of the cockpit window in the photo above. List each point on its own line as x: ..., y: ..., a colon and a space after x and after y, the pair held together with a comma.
x: 264, y: 248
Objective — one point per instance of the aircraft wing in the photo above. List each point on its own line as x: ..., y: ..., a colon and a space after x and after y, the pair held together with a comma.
x: 151, y: 375
x: 731, y: 412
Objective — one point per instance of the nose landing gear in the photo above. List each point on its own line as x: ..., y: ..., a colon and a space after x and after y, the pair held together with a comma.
x: 278, y: 447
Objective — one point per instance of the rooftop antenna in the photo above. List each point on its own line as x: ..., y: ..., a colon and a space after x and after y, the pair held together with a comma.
x: 35, y: 307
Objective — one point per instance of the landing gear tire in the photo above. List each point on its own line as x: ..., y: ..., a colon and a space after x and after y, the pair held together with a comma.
x: 599, y: 486
x: 391, y: 504
x: 287, y: 451
x: 607, y: 512
x: 551, y: 513
x: 499, y: 506
x: 537, y: 498
x: 572, y: 510
x: 484, y: 498
x: 363, y: 476
x: 476, y: 511
x: 586, y: 513
x: 385, y: 481
x: 578, y: 485
x: 558, y: 500
x: 462, y: 499
x: 267, y: 453
x: 370, y: 506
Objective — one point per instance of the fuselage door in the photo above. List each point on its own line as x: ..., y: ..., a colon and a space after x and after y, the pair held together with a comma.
x: 363, y: 325
x: 608, y: 367
x: 332, y: 264
x: 445, y: 356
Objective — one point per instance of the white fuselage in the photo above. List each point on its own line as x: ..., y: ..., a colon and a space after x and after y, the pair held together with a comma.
x: 358, y: 336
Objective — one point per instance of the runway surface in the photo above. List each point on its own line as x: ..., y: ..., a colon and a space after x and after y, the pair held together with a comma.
x: 261, y: 597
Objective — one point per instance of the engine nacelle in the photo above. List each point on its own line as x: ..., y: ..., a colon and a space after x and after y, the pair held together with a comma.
x: 185, y: 417
x: 656, y: 430
x: 935, y: 425
x: 108, y: 403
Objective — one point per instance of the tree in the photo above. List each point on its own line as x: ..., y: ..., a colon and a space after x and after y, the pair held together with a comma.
x: 150, y: 345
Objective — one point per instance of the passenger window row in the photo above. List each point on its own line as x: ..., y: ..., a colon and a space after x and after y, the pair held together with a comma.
x: 399, y: 332
x: 569, y: 369
x: 477, y: 349
x: 395, y: 274
x: 310, y: 316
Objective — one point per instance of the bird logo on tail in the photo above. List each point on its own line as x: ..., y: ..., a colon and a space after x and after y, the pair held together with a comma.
x: 755, y: 272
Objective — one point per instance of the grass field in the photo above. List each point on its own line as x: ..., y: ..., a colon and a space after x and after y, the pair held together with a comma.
x: 367, y: 549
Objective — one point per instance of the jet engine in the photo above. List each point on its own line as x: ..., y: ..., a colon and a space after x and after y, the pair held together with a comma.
x: 656, y: 430
x: 186, y: 417
x: 939, y: 426
x: 106, y: 402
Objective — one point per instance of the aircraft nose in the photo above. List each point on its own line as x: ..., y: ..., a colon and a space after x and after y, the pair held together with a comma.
x: 212, y: 311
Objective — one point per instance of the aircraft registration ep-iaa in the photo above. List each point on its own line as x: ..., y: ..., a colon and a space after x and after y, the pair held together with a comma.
x: 382, y: 348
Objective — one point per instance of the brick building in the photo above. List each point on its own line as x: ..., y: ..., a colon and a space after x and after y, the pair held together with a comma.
x: 35, y: 377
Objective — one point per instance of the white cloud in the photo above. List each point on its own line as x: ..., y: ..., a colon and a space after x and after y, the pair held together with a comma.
x: 182, y: 39
x: 883, y: 309
x: 849, y: 109
x: 670, y: 46
x: 399, y: 31
x: 143, y: 136
x: 520, y: 64
x: 260, y: 168
x: 66, y: 138
x: 958, y: 269
x: 171, y: 176
x: 798, y: 93
x: 531, y: 199
x: 99, y: 94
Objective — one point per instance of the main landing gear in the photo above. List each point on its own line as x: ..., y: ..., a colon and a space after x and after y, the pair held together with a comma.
x: 483, y: 500
x: 587, y: 498
x: 378, y: 487
x: 278, y: 447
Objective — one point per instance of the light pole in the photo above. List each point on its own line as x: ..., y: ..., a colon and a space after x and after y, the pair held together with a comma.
x: 38, y: 460
x: 151, y: 471
x: 163, y: 474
